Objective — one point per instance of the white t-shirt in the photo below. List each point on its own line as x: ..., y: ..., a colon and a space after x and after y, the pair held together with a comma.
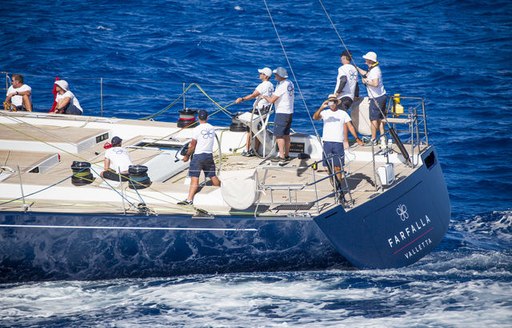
x: 205, y: 135
x: 374, y: 92
x: 119, y: 159
x: 265, y: 88
x: 17, y: 100
x: 334, y: 124
x: 72, y: 100
x: 350, y: 87
x: 285, y: 91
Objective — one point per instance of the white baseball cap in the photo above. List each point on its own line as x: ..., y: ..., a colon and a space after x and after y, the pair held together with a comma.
x: 267, y: 71
x: 281, y: 71
x: 62, y: 84
x: 332, y: 97
x: 371, y: 56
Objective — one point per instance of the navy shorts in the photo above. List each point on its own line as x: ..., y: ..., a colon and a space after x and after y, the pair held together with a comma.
x: 202, y: 162
x: 333, y: 153
x: 375, y: 112
x: 282, y: 124
x: 72, y: 110
x: 111, y: 175
x: 21, y: 108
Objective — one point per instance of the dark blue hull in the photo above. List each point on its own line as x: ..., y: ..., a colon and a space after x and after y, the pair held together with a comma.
x: 398, y: 227
x: 394, y: 229
x: 48, y: 246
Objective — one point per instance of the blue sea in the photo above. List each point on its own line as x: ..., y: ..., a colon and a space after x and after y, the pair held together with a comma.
x: 134, y: 58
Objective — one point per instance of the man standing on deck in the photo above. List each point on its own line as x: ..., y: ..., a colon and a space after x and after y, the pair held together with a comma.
x: 201, y: 145
x: 283, y: 99
x: 265, y: 88
x: 336, y: 121
x: 346, y: 82
x: 18, y: 95
x: 377, y: 94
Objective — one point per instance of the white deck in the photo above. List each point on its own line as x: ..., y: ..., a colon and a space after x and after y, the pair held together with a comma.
x: 37, y: 150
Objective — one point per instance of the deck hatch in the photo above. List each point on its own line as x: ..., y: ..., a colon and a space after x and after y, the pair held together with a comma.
x: 102, y: 137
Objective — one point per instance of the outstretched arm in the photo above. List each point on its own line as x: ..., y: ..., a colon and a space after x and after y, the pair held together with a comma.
x: 253, y: 95
x: 271, y: 99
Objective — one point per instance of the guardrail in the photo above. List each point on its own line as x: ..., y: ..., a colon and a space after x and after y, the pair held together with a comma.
x: 339, y: 193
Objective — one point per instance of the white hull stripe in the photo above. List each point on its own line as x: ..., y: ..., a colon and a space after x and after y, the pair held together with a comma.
x: 118, y: 228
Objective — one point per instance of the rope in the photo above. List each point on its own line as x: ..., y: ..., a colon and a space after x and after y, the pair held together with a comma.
x: 35, y: 192
x: 292, y: 71
x: 352, y: 57
x: 220, y: 109
x: 165, y: 109
x: 66, y: 152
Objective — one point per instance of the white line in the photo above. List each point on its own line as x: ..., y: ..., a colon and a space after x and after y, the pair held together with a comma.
x: 118, y: 228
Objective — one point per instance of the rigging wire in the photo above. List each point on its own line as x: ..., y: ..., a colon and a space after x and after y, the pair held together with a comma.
x: 335, y: 29
x: 62, y: 150
x: 354, y: 63
x: 166, y: 108
x: 336, y: 183
x: 291, y: 70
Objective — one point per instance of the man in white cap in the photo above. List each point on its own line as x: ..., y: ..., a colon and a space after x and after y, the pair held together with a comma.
x: 265, y: 88
x: 333, y: 138
x: 346, y: 82
x: 283, y: 99
x: 66, y: 101
x: 19, y: 95
x: 377, y: 94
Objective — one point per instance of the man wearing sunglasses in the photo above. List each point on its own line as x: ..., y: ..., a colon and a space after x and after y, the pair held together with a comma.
x: 19, y: 95
x: 336, y: 121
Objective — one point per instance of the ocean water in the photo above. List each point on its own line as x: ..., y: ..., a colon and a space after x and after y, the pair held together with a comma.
x: 133, y: 59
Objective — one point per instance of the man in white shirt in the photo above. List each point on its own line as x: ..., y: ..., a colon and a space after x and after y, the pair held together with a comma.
x: 377, y: 94
x: 201, y: 145
x: 346, y: 88
x: 66, y: 101
x: 283, y: 98
x: 336, y: 121
x: 19, y: 95
x: 265, y: 88
x: 117, y: 161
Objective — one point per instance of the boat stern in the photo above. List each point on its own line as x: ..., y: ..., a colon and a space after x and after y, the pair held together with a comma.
x: 396, y: 227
